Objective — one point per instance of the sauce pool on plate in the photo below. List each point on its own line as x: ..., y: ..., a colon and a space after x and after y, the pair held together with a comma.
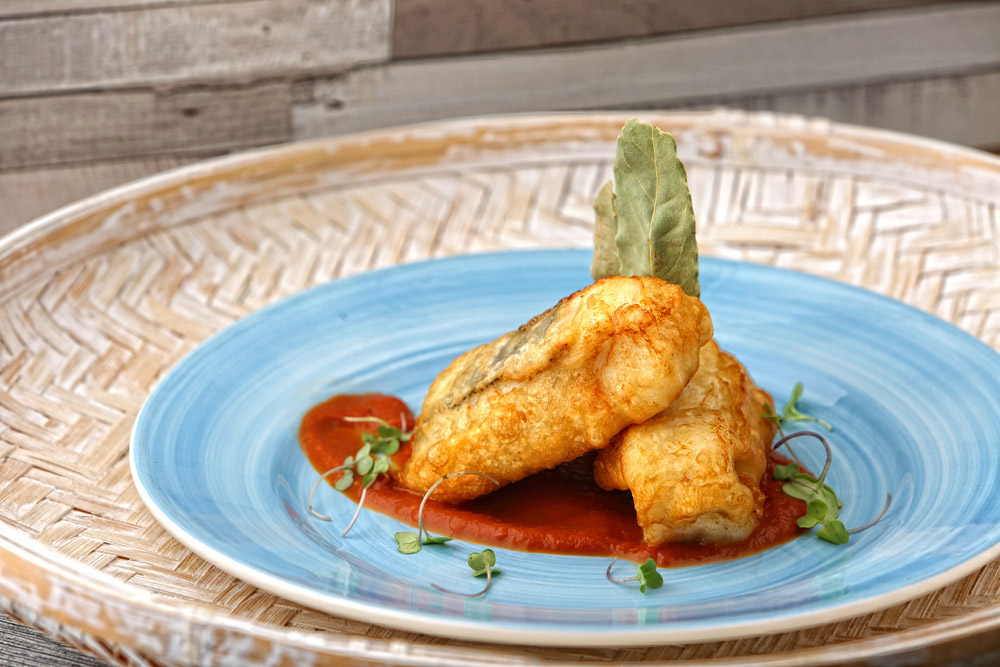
x: 560, y: 511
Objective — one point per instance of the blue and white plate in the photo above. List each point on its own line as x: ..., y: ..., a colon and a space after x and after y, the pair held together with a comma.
x: 914, y: 401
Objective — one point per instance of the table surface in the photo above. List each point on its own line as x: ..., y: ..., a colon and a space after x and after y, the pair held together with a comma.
x: 22, y: 646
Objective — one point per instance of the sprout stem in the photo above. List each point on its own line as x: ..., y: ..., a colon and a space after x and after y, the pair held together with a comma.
x: 829, y: 455
x: 423, y: 501
x: 312, y: 492
x: 489, y: 577
x: 885, y: 508
x: 361, y: 503
x: 616, y: 579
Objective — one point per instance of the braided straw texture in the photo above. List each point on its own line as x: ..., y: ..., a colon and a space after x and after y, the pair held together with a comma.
x: 98, y: 300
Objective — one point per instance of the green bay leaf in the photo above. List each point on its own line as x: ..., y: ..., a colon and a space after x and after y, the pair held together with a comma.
x: 656, y: 226
x: 605, y: 262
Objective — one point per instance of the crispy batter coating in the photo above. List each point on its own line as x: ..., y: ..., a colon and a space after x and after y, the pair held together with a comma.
x: 610, y: 355
x: 695, y: 469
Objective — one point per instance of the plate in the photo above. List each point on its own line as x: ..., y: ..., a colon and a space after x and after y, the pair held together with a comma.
x: 915, y: 403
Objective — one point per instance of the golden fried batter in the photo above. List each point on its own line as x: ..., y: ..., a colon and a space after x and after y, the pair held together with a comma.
x: 610, y: 355
x: 695, y: 469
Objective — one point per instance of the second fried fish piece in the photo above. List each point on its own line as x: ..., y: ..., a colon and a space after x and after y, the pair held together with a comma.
x: 613, y: 354
x: 695, y: 469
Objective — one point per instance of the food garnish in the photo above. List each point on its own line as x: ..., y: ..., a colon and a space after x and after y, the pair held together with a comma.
x: 791, y: 412
x: 645, y: 574
x: 409, y: 542
x: 482, y: 565
x: 383, y: 443
x: 648, y: 213
x: 822, y: 504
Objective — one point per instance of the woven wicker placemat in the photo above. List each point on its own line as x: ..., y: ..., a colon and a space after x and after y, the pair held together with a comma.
x: 98, y: 300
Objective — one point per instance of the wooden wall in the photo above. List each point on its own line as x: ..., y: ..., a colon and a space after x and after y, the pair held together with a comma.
x: 98, y: 92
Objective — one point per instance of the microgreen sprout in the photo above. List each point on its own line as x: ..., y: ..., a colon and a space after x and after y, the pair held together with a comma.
x: 482, y: 565
x: 370, y: 461
x: 822, y: 504
x: 387, y: 438
x: 409, y: 542
x: 791, y: 412
x: 645, y: 574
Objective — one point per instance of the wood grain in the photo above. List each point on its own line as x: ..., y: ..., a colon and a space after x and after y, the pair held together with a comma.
x: 959, y: 109
x: 27, y: 8
x: 746, y: 62
x: 425, y: 28
x: 100, y: 126
x: 96, y: 306
x: 229, y: 41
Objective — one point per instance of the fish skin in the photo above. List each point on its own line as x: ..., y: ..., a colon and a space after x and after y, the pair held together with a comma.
x: 613, y: 354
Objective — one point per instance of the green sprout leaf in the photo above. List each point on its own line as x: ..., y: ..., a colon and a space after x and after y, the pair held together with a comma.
x: 389, y: 446
x: 834, y: 531
x: 647, y: 576
x: 345, y: 481
x: 409, y: 543
x: 436, y: 540
x: 481, y: 562
x: 791, y: 413
x: 816, y: 512
x: 364, y: 465
x: 785, y: 472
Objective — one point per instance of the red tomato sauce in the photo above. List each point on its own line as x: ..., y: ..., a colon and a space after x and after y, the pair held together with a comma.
x: 560, y: 511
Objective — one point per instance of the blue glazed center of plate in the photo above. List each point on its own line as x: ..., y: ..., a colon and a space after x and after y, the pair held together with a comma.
x: 913, y: 400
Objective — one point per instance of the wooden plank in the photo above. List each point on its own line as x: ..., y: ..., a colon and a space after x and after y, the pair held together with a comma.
x: 97, y: 126
x: 28, y: 194
x: 959, y: 109
x: 244, y: 40
x: 25, y: 8
x: 450, y: 27
x: 745, y: 62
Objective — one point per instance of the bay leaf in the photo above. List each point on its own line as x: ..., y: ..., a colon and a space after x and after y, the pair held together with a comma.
x: 656, y: 226
x: 605, y: 262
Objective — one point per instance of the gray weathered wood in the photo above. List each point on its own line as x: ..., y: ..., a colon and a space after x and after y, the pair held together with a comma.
x: 98, y: 126
x: 960, y: 109
x: 229, y: 41
x: 747, y: 62
x: 28, y: 194
x: 24, y: 8
x: 449, y: 27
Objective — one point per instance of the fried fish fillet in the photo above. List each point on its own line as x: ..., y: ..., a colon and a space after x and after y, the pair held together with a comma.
x: 610, y: 355
x: 695, y: 469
